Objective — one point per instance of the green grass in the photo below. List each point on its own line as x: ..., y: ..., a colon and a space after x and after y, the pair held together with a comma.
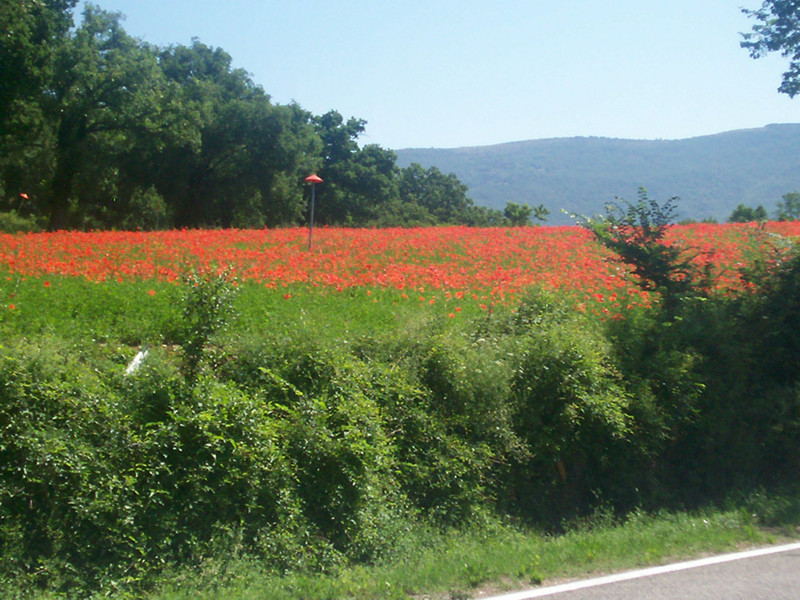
x: 137, y: 312
x: 495, y: 559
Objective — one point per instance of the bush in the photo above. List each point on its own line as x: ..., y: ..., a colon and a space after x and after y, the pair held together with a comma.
x: 65, y: 514
x: 207, y: 305
x: 106, y: 481
x: 334, y: 436
x: 573, y: 413
x: 12, y: 222
x: 635, y: 233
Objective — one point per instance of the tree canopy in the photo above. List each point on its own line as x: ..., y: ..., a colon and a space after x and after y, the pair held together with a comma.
x: 748, y: 214
x: 789, y: 207
x: 777, y: 30
x: 99, y: 129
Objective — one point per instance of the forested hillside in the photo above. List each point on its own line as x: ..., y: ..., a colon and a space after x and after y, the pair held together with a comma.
x: 102, y: 130
x: 711, y: 174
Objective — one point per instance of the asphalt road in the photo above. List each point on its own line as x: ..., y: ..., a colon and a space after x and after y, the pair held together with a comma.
x: 768, y: 574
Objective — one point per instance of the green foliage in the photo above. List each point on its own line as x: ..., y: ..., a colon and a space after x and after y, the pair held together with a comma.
x: 768, y: 332
x: 521, y: 214
x: 106, y: 88
x: 101, y: 130
x: 358, y: 180
x: 59, y: 488
x: 635, y: 233
x: 716, y: 379
x: 789, y: 207
x: 777, y: 31
x: 32, y: 32
x: 13, y: 222
x: 747, y: 214
x: 772, y: 508
x: 105, y: 482
x: 206, y: 308
x: 570, y: 409
x: 452, y: 422
x: 779, y: 308
x: 232, y: 157
x: 765, y: 255
x: 444, y: 197
x: 147, y: 211
x: 672, y: 361
x: 662, y: 370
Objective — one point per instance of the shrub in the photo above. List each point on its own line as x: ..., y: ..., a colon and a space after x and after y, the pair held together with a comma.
x: 207, y: 304
x: 65, y: 510
x: 572, y: 411
x: 12, y: 222
x: 635, y: 233
x: 334, y: 435
x: 106, y: 481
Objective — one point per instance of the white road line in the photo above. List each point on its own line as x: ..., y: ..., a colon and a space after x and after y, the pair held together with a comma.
x: 649, y: 572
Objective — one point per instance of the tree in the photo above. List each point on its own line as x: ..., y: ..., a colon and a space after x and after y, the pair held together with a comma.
x: 777, y: 30
x: 635, y: 232
x: 483, y: 216
x: 444, y: 197
x: 361, y: 183
x: 371, y: 182
x: 31, y: 30
x: 98, y: 129
x: 31, y: 33
x: 237, y: 159
x: 789, y: 207
x: 747, y: 214
x: 518, y: 215
x: 106, y: 89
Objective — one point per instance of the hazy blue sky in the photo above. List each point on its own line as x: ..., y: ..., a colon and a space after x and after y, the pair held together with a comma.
x: 447, y: 73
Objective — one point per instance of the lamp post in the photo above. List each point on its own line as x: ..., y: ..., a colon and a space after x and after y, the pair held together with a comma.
x: 313, y: 179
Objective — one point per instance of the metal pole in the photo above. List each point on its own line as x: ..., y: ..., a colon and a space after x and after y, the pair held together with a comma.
x: 311, y: 222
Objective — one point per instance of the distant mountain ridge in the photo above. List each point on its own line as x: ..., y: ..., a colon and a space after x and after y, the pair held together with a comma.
x: 711, y: 174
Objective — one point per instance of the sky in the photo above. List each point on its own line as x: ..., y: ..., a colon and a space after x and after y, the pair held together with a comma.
x: 453, y: 73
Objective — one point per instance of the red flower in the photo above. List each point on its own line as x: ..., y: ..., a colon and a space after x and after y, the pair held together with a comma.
x: 488, y: 265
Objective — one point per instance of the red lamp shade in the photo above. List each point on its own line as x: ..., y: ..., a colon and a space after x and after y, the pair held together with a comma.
x: 313, y: 178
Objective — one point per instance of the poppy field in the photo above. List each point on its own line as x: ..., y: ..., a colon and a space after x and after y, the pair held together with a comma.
x: 422, y: 265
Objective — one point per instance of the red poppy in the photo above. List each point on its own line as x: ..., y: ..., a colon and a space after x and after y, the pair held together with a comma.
x: 489, y: 265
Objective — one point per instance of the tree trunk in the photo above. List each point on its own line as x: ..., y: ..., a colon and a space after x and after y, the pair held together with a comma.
x: 62, y: 190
